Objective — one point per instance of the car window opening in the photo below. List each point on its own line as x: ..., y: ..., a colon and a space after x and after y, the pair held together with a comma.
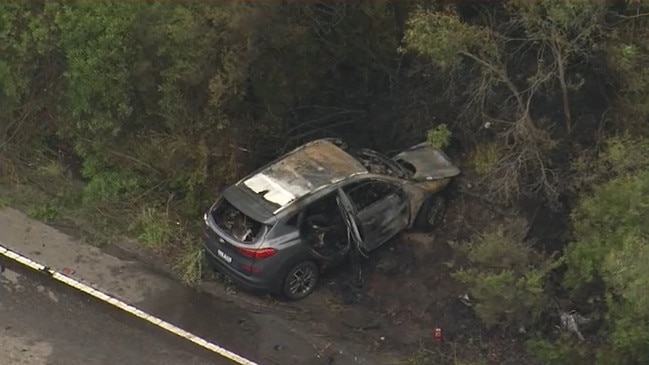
x: 325, y: 230
x: 235, y: 223
x: 367, y: 193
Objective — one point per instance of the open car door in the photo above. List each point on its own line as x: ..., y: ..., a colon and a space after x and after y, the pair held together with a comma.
x: 348, y: 212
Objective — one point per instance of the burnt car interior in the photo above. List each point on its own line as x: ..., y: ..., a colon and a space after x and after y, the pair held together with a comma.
x: 324, y: 229
x: 378, y: 164
x: 366, y: 193
x: 235, y: 223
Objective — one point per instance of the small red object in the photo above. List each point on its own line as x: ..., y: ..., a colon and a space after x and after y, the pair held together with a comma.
x: 67, y: 271
x: 438, y: 334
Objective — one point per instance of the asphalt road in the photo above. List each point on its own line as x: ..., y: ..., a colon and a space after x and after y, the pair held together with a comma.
x: 43, y: 322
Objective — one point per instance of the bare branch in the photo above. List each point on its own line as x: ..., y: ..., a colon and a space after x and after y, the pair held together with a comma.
x: 500, y: 72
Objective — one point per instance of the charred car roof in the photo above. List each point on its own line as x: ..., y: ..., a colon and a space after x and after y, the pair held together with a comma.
x: 306, y: 169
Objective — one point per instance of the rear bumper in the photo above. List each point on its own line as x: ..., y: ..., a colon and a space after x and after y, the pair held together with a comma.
x: 253, y: 282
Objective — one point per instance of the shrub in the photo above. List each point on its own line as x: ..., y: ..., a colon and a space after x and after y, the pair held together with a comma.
x: 45, y: 211
x: 110, y: 187
x: 439, y: 137
x: 485, y: 158
x: 566, y: 350
x: 153, y: 228
x: 611, y: 250
x: 620, y: 155
x: 191, y: 264
x: 506, y: 277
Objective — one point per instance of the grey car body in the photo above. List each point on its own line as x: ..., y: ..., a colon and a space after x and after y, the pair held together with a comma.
x: 278, y: 228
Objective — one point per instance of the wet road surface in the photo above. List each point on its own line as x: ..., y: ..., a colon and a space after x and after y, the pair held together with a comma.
x: 43, y: 322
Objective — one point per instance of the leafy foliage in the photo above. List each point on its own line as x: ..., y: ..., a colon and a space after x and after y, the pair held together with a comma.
x: 440, y: 136
x: 485, y: 158
x: 565, y: 350
x: 29, y: 68
x: 442, y: 36
x: 611, y: 247
x: 626, y: 52
x: 191, y: 263
x: 506, y: 277
x: 153, y: 228
x: 620, y: 155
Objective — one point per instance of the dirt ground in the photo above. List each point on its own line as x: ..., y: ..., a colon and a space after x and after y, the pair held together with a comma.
x: 408, y: 291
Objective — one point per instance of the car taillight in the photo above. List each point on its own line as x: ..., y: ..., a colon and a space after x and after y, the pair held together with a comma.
x: 257, y: 254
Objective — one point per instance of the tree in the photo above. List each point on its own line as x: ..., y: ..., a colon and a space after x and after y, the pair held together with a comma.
x: 29, y: 71
x: 508, y: 76
x: 626, y: 52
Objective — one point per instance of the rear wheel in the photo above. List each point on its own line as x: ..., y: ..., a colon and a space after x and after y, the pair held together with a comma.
x: 301, y: 280
x: 431, y: 213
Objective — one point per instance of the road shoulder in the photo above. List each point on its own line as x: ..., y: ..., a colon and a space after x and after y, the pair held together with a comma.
x: 264, y: 332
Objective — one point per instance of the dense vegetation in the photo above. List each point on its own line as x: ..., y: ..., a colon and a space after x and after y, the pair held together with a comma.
x: 134, y: 115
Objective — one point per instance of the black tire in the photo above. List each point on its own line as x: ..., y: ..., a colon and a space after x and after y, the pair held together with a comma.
x: 431, y: 213
x: 301, y: 280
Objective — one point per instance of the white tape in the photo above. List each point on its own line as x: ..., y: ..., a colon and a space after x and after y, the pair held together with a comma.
x: 124, y: 306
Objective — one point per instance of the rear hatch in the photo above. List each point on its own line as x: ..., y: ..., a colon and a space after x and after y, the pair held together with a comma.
x: 235, y: 235
x: 236, y: 226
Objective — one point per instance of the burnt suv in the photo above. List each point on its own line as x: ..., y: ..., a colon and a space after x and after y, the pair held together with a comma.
x: 277, y: 229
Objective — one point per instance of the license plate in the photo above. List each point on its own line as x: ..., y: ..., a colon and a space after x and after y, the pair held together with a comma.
x: 224, y: 256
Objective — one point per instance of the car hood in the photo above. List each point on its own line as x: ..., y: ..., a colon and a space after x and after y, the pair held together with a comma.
x: 426, y: 163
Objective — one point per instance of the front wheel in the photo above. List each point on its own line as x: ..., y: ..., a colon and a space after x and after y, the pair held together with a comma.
x: 301, y: 280
x: 431, y: 213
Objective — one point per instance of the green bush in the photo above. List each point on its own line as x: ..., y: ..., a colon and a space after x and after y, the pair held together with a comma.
x: 439, y: 137
x: 191, y: 264
x: 626, y: 52
x: 443, y: 37
x: 5, y: 200
x: 506, y: 277
x: 485, y: 158
x: 566, y: 350
x: 620, y: 155
x: 154, y: 228
x: 44, y: 211
x: 604, y: 222
x: 111, y: 187
x: 608, y: 261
